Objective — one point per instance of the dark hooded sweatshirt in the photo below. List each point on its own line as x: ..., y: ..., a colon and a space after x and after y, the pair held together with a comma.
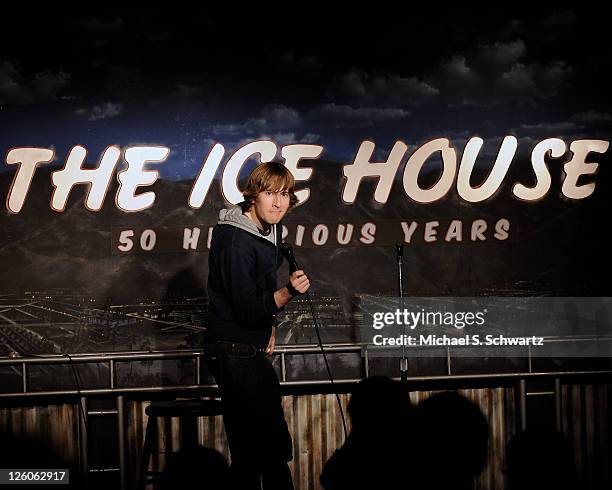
x: 242, y: 265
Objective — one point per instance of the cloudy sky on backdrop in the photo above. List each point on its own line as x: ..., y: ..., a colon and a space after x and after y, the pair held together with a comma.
x: 186, y: 77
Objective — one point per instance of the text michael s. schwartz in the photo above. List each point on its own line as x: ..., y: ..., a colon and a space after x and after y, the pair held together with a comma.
x: 445, y: 340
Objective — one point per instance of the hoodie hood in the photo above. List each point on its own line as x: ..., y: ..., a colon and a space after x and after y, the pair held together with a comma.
x: 234, y: 217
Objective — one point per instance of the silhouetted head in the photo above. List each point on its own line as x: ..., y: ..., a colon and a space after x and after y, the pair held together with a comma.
x: 540, y: 458
x: 198, y: 467
x: 379, y: 444
x: 378, y: 401
x: 454, y: 435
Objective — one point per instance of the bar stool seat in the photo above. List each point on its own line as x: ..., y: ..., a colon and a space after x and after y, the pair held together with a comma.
x: 188, y: 411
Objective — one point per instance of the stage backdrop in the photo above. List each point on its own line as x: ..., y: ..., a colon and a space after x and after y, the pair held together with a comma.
x: 485, y: 153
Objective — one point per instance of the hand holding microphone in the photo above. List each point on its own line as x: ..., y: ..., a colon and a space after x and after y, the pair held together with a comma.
x: 298, y: 281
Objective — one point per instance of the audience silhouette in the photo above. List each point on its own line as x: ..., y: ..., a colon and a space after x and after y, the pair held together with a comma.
x: 377, y: 452
x: 195, y: 468
x: 540, y: 458
x: 453, y: 439
x: 442, y: 443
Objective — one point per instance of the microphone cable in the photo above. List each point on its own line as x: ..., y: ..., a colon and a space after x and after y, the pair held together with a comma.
x: 78, y: 389
x: 287, y: 251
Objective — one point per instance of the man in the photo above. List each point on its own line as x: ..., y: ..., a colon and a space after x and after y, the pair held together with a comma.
x: 244, y: 299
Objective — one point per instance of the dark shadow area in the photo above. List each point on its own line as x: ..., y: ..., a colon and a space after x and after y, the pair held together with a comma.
x: 540, y: 458
x: 378, y: 452
x: 196, y: 468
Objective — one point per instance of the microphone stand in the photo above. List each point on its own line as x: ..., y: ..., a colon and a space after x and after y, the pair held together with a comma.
x: 287, y: 251
x: 399, y: 250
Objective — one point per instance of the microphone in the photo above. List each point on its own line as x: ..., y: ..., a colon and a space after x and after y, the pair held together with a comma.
x: 399, y: 252
x: 287, y: 251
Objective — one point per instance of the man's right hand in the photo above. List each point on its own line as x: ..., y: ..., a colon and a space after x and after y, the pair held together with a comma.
x: 300, y: 282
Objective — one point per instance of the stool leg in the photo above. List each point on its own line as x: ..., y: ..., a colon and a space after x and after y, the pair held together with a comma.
x: 150, y: 436
x: 189, y: 432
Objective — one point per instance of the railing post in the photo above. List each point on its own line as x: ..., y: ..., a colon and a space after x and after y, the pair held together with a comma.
x: 84, y: 437
x: 122, y: 442
x: 523, y: 404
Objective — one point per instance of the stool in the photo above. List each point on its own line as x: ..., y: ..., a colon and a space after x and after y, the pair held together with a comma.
x: 188, y: 411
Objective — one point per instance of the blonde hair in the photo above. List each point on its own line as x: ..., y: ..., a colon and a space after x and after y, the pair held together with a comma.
x: 270, y: 176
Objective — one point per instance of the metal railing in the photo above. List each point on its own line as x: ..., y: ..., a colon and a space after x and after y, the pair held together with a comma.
x: 112, y: 358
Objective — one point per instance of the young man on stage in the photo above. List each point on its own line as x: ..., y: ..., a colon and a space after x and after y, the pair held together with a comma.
x: 244, y: 300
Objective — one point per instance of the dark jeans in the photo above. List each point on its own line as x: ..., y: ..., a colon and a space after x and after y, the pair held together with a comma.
x: 258, y: 436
